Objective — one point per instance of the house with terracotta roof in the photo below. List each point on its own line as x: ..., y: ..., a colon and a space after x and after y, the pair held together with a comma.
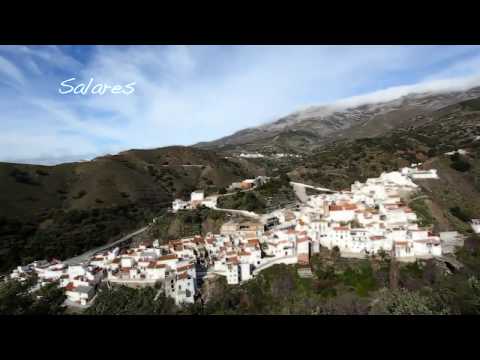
x: 155, y: 271
x: 340, y: 213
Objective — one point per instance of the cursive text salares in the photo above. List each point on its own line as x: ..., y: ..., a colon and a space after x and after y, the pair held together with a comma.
x: 68, y: 87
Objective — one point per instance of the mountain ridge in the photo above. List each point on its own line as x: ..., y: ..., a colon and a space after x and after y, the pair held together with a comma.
x: 327, y: 122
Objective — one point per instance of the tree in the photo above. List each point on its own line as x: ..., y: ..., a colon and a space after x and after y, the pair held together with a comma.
x: 335, y: 252
x: 459, y: 163
x: 123, y: 300
x: 405, y: 302
x: 16, y: 299
x: 459, y: 213
x: 48, y: 300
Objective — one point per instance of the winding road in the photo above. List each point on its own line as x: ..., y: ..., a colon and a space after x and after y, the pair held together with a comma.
x: 86, y: 255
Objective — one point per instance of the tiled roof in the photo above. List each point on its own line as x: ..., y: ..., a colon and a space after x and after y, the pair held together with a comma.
x: 168, y: 257
x: 70, y: 287
x: 183, y: 275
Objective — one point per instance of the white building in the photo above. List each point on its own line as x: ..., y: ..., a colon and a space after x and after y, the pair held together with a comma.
x: 197, y: 195
x: 155, y: 271
x: 127, y: 262
x: 245, y: 271
x: 475, y: 224
x: 340, y: 213
x: 180, y: 287
x: 415, y: 173
x: 179, y: 204
x: 251, y: 156
x: 210, y: 202
x: 79, y: 294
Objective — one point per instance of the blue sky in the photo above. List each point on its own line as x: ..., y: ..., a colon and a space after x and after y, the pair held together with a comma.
x: 187, y: 94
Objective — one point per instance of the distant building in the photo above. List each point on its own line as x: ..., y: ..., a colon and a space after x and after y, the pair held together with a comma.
x: 261, y: 180
x: 179, y: 204
x: 247, y: 184
x: 210, y: 202
x: 415, y: 173
x: 251, y: 156
x: 197, y: 195
x: 475, y: 223
x: 196, y: 198
x: 235, y: 186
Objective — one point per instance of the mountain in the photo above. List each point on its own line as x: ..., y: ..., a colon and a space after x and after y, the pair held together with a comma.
x: 304, y: 130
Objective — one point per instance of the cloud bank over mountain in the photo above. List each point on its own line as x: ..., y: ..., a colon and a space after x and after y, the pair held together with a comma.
x: 187, y: 94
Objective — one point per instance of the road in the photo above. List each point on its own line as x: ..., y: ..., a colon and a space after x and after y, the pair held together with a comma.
x: 249, y: 214
x: 85, y: 256
x: 245, y: 213
x: 311, y: 187
x: 228, y: 194
x: 300, y: 190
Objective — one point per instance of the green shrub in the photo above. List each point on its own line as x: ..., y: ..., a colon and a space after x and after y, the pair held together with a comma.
x: 405, y: 302
x: 23, y: 177
x: 361, y: 278
x: 459, y: 163
x: 460, y: 213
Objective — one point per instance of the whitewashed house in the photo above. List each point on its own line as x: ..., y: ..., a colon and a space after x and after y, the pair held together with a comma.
x: 79, y: 294
x: 475, y: 224
x: 179, y: 204
x: 340, y: 213
x: 245, y: 271
x: 155, y: 271
x: 180, y: 287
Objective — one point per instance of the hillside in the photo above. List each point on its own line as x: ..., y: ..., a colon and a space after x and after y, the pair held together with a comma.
x: 62, y: 210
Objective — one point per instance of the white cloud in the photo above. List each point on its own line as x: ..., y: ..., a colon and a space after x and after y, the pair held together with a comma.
x: 11, y: 72
x: 50, y: 55
x: 432, y: 86
x: 17, y: 145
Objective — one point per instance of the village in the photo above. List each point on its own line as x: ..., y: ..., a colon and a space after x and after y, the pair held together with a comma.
x: 367, y: 219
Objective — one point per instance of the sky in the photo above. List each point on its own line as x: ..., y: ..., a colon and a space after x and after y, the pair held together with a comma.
x: 186, y: 94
